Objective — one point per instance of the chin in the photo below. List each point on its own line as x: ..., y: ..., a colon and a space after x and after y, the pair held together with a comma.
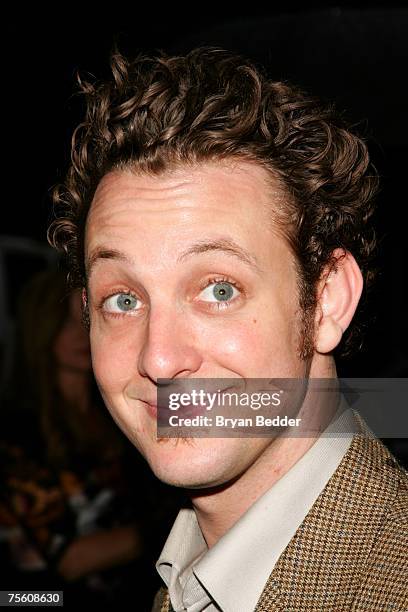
x: 184, y: 481
x: 187, y: 463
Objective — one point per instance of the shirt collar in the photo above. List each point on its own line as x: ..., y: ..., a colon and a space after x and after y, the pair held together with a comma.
x: 248, y: 552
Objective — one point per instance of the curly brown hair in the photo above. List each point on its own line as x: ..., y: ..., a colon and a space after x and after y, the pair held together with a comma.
x: 157, y: 112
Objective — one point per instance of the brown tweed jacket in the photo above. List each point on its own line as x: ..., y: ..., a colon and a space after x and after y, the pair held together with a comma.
x: 351, y: 551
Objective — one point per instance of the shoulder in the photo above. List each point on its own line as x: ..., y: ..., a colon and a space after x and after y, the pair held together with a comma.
x: 350, y: 552
x: 384, y: 577
x: 376, y: 502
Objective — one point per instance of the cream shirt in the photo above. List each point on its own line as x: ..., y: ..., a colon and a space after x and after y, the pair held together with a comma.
x: 232, y: 574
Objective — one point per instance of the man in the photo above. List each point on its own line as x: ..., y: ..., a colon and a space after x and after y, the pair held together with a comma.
x: 218, y: 225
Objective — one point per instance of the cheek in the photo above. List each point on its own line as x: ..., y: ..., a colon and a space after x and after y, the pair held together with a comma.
x: 236, y: 345
x: 261, y: 345
x: 113, y: 361
x: 239, y: 341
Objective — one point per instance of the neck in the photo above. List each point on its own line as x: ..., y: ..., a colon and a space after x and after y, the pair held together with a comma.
x: 220, y: 508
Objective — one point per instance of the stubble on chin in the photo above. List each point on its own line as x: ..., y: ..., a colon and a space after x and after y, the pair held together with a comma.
x: 177, y: 441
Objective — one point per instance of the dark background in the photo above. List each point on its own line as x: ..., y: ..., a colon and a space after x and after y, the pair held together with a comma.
x: 354, y: 54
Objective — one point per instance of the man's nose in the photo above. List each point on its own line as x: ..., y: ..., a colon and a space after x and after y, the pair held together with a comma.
x: 169, y: 348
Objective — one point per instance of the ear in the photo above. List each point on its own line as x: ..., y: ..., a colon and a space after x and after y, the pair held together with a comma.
x: 339, y: 292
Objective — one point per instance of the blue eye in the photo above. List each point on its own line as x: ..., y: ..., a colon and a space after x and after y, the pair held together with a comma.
x: 121, y: 303
x: 219, y: 292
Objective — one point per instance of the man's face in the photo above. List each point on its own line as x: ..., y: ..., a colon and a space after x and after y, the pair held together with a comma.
x: 181, y: 234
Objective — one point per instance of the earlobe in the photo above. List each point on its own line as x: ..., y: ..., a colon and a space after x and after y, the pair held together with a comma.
x: 328, y: 336
x: 339, y: 293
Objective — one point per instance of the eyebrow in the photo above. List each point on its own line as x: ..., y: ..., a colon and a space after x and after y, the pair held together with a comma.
x: 104, y: 253
x: 223, y: 245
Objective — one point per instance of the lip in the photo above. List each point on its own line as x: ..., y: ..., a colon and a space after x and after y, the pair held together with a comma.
x: 185, y: 411
x: 151, y: 409
x: 189, y: 411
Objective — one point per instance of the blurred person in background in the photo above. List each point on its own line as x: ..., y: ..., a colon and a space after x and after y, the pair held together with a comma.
x: 67, y: 508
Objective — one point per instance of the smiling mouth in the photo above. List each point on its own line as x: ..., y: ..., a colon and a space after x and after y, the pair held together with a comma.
x: 163, y: 412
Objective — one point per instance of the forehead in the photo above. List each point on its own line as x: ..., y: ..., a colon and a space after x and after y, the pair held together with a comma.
x: 236, y: 198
